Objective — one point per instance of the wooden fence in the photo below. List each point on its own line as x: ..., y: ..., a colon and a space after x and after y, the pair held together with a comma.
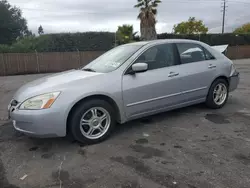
x: 238, y: 52
x: 30, y: 63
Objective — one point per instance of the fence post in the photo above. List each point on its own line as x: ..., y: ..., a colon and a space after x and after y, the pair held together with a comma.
x: 37, y: 62
x: 25, y: 66
x: 4, y: 68
x: 239, y: 56
x: 18, y: 60
x: 79, y: 57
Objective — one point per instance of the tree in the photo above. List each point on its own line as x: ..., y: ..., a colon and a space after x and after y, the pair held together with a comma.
x: 40, y: 30
x: 12, y: 24
x: 125, y: 34
x: 28, y: 44
x: 31, y: 44
x: 192, y: 26
x: 244, y: 29
x: 148, y: 11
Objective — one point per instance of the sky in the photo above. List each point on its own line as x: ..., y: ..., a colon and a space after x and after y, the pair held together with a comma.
x: 106, y: 15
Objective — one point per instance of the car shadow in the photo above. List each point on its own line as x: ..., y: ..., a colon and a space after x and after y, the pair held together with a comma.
x: 8, y: 133
x: 161, y: 117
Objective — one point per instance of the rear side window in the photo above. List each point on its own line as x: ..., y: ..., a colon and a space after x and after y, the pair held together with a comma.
x: 209, y: 56
x: 190, y: 52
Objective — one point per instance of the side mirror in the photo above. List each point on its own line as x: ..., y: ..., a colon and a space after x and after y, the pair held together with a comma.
x: 139, y: 67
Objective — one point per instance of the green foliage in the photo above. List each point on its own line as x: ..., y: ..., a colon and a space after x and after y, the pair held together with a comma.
x: 192, y: 26
x: 148, y: 6
x: 40, y: 30
x: 12, y: 24
x: 89, y: 41
x: 102, y: 41
x: 64, y: 42
x: 125, y: 34
x: 212, y: 39
x: 27, y: 44
x: 4, y: 48
x: 245, y: 29
x: 30, y: 44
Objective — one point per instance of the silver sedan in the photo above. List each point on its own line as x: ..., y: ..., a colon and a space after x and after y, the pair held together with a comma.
x: 128, y: 82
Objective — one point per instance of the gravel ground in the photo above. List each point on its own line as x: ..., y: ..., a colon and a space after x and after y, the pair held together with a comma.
x: 193, y: 147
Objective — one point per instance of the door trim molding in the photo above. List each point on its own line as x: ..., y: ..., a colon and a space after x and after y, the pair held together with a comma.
x: 166, y: 96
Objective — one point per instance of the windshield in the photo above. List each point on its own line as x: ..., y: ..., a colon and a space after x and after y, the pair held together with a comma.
x: 112, y: 59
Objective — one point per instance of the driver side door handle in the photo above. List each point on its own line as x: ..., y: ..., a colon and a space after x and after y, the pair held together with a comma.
x: 211, y: 66
x: 173, y: 74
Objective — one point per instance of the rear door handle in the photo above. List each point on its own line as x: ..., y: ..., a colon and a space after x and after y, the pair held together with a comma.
x: 211, y: 66
x: 173, y: 74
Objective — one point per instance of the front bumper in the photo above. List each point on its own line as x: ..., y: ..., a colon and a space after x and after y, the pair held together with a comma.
x: 39, y: 123
x: 234, y: 81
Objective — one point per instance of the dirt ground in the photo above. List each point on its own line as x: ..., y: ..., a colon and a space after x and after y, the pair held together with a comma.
x: 194, y: 147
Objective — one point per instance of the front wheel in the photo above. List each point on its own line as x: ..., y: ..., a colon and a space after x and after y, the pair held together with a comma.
x: 218, y: 94
x: 92, y: 121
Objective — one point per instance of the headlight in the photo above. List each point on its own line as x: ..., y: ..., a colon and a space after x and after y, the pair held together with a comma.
x: 39, y: 102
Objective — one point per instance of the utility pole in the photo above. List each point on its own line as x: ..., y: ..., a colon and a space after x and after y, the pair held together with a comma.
x: 224, y: 15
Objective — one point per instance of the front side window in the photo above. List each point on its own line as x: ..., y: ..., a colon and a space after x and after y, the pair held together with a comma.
x: 112, y: 59
x: 159, y: 56
x: 190, y: 53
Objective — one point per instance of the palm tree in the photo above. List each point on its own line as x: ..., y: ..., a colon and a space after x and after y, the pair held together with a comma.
x: 125, y: 34
x: 148, y: 11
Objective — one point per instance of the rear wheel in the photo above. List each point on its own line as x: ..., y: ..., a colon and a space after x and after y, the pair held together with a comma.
x: 218, y: 94
x: 92, y: 121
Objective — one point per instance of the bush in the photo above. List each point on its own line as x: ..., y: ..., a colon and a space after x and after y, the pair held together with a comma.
x: 89, y: 41
x: 26, y: 44
x: 103, y: 41
x: 5, y: 48
x: 213, y: 39
x: 64, y: 42
x: 30, y: 44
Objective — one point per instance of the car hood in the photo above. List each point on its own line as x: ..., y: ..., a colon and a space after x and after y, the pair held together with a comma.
x: 55, y: 82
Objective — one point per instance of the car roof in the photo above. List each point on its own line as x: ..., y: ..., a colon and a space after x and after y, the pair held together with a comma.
x: 159, y: 41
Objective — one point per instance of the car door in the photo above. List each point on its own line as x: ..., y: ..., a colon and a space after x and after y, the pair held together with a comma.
x: 158, y: 87
x: 197, y: 71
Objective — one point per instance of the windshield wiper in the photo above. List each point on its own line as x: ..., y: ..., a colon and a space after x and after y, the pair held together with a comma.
x: 89, y: 70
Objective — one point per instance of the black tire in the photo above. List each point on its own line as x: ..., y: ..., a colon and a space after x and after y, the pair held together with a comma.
x: 210, y: 97
x: 75, y: 118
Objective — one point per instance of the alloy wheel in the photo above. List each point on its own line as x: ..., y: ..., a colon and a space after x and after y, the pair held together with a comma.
x: 95, y: 122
